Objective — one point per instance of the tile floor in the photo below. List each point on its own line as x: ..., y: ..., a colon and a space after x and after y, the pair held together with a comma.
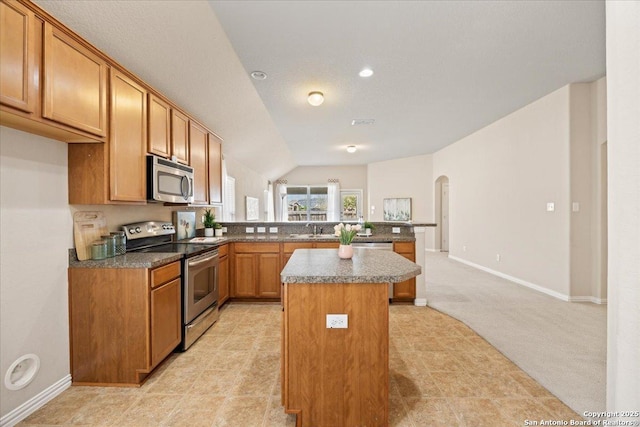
x: 442, y: 374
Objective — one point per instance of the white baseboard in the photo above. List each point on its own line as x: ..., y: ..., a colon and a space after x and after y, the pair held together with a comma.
x: 35, y: 403
x: 588, y: 299
x: 420, y: 302
x: 530, y: 285
x: 431, y: 250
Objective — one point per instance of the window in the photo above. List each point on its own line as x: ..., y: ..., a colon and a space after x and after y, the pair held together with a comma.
x: 350, y: 205
x: 307, y: 203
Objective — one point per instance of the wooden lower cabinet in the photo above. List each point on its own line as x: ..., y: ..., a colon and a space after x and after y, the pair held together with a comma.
x: 256, y: 270
x: 405, y: 291
x: 223, y: 275
x: 123, y: 322
x: 336, y: 377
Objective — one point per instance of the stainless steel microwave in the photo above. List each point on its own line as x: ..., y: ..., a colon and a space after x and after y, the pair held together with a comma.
x: 169, y: 181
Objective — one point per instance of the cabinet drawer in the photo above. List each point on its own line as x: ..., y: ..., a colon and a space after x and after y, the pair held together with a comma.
x: 290, y: 247
x: 404, y: 247
x: 165, y: 273
x: 223, y: 250
x: 257, y: 247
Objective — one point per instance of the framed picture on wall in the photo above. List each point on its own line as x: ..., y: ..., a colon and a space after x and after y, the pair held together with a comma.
x: 253, y: 208
x: 397, y: 209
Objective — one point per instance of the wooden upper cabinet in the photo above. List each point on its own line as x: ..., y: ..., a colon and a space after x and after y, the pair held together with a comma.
x: 18, y: 77
x: 215, y: 169
x: 159, y: 127
x: 180, y: 136
x: 75, y: 83
x: 198, y: 161
x: 128, y: 139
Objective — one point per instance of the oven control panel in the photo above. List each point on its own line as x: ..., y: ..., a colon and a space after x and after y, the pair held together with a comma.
x: 141, y: 230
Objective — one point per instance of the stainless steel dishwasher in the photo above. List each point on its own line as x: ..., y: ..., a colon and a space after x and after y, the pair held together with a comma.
x: 380, y: 246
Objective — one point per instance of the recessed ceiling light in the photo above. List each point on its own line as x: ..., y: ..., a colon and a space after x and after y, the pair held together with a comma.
x: 258, y: 75
x: 351, y: 148
x: 315, y: 98
x: 366, y: 72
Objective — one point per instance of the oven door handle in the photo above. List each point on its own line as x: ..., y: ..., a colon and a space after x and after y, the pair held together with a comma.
x: 202, y: 261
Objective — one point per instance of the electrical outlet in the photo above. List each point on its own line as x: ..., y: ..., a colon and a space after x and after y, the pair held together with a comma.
x: 224, y: 229
x: 337, y: 321
x: 395, y: 230
x: 497, y: 257
x: 248, y: 230
x: 551, y: 207
x: 273, y: 229
x: 262, y: 229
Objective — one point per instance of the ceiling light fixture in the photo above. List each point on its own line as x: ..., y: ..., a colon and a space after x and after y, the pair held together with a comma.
x: 258, y: 75
x: 366, y: 72
x: 315, y: 98
x: 351, y: 148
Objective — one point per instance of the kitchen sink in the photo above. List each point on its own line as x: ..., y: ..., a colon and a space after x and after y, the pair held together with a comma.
x: 312, y: 236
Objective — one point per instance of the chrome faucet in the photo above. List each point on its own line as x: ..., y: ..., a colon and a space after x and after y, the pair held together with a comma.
x: 314, y: 228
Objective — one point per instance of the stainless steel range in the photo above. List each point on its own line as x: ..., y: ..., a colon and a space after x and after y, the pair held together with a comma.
x: 199, y: 274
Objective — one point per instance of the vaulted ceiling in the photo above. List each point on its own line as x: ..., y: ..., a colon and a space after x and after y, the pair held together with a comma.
x: 442, y: 69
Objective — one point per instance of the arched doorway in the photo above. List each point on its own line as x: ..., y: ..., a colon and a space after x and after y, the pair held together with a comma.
x: 442, y: 213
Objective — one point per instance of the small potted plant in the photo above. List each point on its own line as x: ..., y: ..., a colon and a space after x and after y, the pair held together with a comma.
x: 209, y: 222
x: 368, y: 228
x: 218, y: 229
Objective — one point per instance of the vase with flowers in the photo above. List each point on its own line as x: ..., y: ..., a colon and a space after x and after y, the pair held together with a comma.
x: 346, y: 233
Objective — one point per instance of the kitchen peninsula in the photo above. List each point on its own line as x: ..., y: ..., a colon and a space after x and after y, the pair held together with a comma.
x: 335, y: 371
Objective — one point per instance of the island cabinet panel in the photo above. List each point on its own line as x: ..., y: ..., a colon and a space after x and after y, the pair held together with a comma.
x: 198, y: 161
x: 256, y: 271
x: 405, y: 291
x: 17, y: 56
x: 123, y: 322
x: 128, y: 139
x: 223, y: 274
x: 75, y: 83
x: 336, y: 377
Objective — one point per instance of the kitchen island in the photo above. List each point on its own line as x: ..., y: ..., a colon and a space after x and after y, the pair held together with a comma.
x: 334, y: 375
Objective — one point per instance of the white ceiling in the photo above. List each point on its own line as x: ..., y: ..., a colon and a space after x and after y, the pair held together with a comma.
x: 443, y: 69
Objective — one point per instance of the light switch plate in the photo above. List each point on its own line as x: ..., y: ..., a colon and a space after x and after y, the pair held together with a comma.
x: 395, y: 230
x: 551, y: 207
x: 273, y: 229
x: 262, y: 229
x: 575, y: 207
x: 248, y: 230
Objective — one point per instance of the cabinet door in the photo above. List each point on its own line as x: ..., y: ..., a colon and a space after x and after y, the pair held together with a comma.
x: 180, y: 136
x: 268, y: 275
x: 159, y: 127
x: 165, y: 320
x: 405, y: 291
x: 75, y: 83
x: 17, y: 56
x: 244, y: 269
x: 215, y: 169
x: 223, y: 280
x: 128, y: 139
x: 198, y: 161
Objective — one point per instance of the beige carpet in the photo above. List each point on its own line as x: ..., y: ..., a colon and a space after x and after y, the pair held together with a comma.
x: 562, y: 345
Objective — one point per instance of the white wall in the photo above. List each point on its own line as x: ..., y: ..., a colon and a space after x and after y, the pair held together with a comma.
x: 623, y: 109
x: 407, y: 177
x: 36, y: 232
x: 248, y: 183
x: 500, y: 180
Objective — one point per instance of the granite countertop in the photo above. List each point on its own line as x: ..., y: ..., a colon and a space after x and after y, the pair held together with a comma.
x: 128, y: 260
x: 152, y: 260
x: 366, y: 266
